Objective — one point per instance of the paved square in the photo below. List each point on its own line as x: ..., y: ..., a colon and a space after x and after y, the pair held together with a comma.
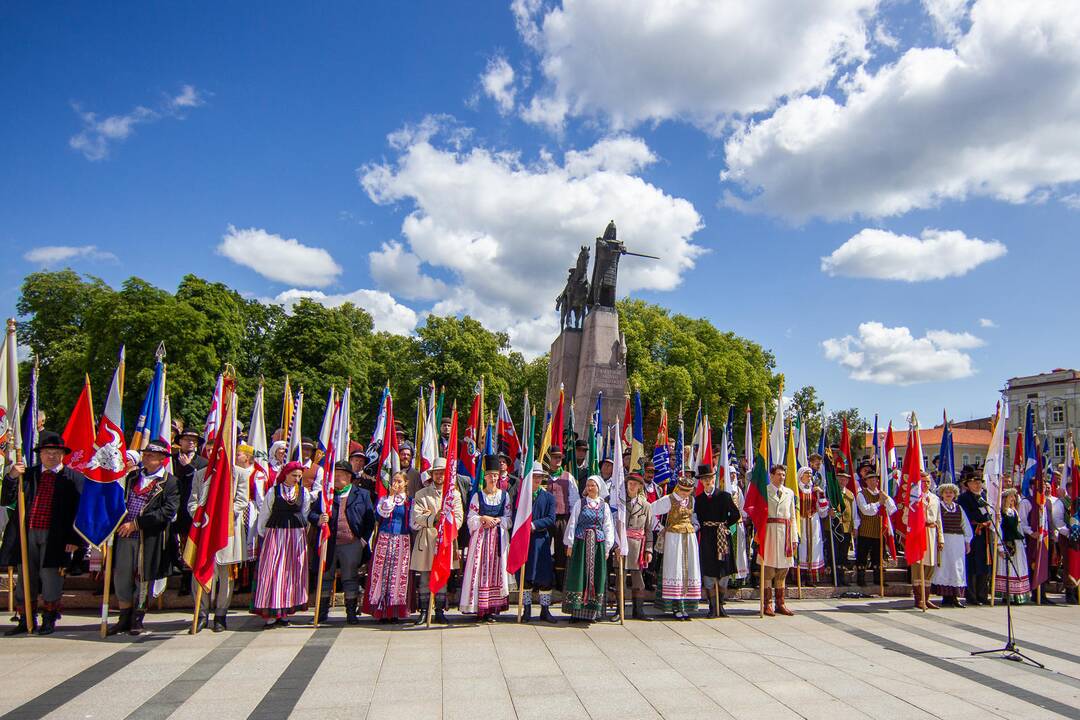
x: 834, y: 659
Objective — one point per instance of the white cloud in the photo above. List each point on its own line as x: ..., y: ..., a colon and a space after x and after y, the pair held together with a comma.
x: 395, y: 268
x: 49, y: 255
x: 94, y: 140
x: 936, y: 254
x: 997, y: 115
x: 498, y: 84
x: 1071, y: 201
x: 506, y: 230
x: 947, y: 16
x: 387, y: 314
x: 284, y: 260
x: 893, y: 356
x: 637, y: 60
x: 987, y: 323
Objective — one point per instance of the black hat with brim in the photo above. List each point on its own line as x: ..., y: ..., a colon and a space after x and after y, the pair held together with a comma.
x: 51, y: 441
x: 344, y: 466
x: 491, y: 463
x: 156, y: 447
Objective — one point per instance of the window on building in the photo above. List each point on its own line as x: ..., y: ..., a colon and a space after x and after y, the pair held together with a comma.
x: 1033, y: 396
x: 965, y: 459
x: 1057, y: 414
x: 1059, y: 447
x: 978, y: 459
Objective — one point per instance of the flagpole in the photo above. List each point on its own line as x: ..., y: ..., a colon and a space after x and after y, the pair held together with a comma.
x: 431, y: 602
x: 318, y: 584
x: 107, y: 550
x: 10, y: 591
x: 761, y: 581
x: 622, y: 588
x: 198, y: 606
x: 521, y: 592
x: 881, y: 556
x: 28, y: 615
x: 922, y: 585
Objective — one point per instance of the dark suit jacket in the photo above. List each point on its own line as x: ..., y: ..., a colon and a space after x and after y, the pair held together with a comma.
x: 69, y: 485
x: 359, y: 513
x: 156, y: 524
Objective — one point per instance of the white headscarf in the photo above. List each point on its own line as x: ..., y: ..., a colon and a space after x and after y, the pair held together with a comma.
x: 274, y: 464
x: 600, y: 484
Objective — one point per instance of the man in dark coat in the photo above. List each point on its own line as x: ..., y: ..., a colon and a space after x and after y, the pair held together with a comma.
x: 51, y: 496
x: 152, y: 497
x: 349, y: 536
x: 716, y: 513
x: 186, y: 461
x: 977, y: 560
x: 540, y: 564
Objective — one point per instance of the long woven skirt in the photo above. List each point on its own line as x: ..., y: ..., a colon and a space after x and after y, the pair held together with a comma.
x: 586, y: 579
x: 484, y: 589
x: 387, y: 594
x: 283, y: 569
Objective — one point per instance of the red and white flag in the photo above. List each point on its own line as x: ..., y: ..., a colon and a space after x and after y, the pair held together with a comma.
x: 444, y: 539
x: 910, y: 497
x: 213, y: 420
x: 507, y: 436
x: 429, y: 447
x: 79, y: 432
x: 389, y: 460
x: 518, y: 552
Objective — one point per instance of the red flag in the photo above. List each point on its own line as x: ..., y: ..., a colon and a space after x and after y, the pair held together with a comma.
x: 470, y: 452
x: 628, y: 426
x: 444, y: 543
x: 910, y: 497
x: 507, y: 436
x: 389, y: 460
x: 212, y: 523
x: 558, y: 422
x: 845, y: 452
x: 79, y: 432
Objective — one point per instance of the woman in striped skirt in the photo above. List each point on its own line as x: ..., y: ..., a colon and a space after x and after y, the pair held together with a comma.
x: 485, y: 587
x: 387, y: 596
x: 590, y: 534
x: 282, y: 587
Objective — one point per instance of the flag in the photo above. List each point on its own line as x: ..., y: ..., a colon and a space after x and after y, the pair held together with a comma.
x: 442, y: 402
x: 429, y: 448
x: 257, y: 440
x: 212, y: 523
x: 30, y: 417
x: 148, y: 424
x: 326, y: 429
x: 748, y: 440
x: 508, y: 439
x: 1072, y: 477
x: 418, y: 434
x: 890, y: 472
x: 910, y: 497
x: 214, y: 419
x: 627, y: 424
x: 328, y: 444
x: 558, y: 421
x: 804, y: 455
x: 545, y: 437
x: 637, y: 444
x: 886, y: 519
x: 79, y: 432
x: 389, y: 461
x: 518, y: 552
x: 596, y: 442
x: 10, y: 432
x: 468, y: 454
x: 680, y: 458
x: 994, y: 466
x: 343, y: 428
x: 294, y: 449
x: 756, y: 503
x: 102, y: 506
x: 617, y: 497
x: 845, y: 456
x: 447, y: 528
x: 828, y: 468
x: 946, y: 456
x: 1030, y: 464
x: 286, y: 409
x: 727, y: 456
x: 791, y: 478
x: 569, y: 438
x: 776, y: 437
x: 165, y: 431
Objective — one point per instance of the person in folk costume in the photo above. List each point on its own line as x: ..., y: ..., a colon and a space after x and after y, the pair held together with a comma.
x: 565, y: 490
x: 485, y: 588
x: 653, y: 491
x: 778, y: 551
x: 444, y: 434
x: 387, y: 595
x: 1012, y: 567
x: 868, y: 549
x: 424, y: 521
x: 716, y: 512
x: 142, y: 551
x: 588, y: 537
x: 539, y: 565
x: 827, y: 543
x: 258, y: 484
x: 950, y: 576
x: 51, y: 493
x: 276, y: 458
x: 581, y: 463
x: 1071, y: 567
x: 186, y: 461
x: 813, y: 517
x: 507, y: 479
x: 351, y: 520
x: 843, y: 517
x: 680, y: 582
x: 1059, y: 512
x: 935, y: 543
x: 229, y: 557
x: 1035, y: 524
x: 412, y: 475
x: 1059, y: 529
x: 359, y: 463
x: 741, y: 549
x: 282, y: 585
x: 639, y: 541
x: 977, y: 563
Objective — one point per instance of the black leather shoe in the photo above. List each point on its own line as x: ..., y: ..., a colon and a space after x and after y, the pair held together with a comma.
x: 19, y: 629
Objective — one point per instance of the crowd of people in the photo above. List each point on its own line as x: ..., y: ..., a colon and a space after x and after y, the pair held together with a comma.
x: 689, y: 541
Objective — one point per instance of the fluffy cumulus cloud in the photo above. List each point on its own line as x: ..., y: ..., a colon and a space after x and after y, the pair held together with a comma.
x: 498, y: 84
x: 506, y: 230
x: 98, y: 134
x: 638, y: 60
x: 387, y: 314
x: 936, y: 254
x: 893, y: 356
x: 283, y: 260
x: 50, y: 255
x: 398, y: 270
x: 995, y: 114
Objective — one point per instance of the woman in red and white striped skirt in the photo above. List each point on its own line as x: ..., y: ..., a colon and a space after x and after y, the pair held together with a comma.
x: 282, y: 587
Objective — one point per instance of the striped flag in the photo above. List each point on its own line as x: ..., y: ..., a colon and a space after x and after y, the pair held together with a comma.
x: 101, y: 505
x: 293, y: 443
x: 617, y: 499
x: 518, y: 552
x: 447, y: 528
x: 148, y: 424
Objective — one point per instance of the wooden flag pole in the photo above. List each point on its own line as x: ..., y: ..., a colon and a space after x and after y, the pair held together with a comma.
x: 24, y: 575
x: 107, y: 550
x: 521, y: 592
x: 431, y: 602
x: 318, y: 584
x: 761, y: 581
x: 922, y: 585
x: 881, y: 559
x: 10, y: 591
x: 622, y: 589
x: 198, y: 606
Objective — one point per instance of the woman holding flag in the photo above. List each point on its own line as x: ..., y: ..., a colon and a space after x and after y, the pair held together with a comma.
x: 485, y: 588
x: 282, y: 586
x: 589, y: 537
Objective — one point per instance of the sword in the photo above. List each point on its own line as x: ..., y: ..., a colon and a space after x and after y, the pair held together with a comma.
x: 627, y: 252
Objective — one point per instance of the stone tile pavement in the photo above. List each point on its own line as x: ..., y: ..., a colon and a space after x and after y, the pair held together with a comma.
x: 835, y: 659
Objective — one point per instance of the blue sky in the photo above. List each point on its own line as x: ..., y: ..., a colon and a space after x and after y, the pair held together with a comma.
x: 451, y: 157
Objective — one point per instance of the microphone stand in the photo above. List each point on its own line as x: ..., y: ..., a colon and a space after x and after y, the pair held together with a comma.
x: 1010, y: 651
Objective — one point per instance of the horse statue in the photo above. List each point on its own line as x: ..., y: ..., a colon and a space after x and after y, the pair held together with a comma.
x: 572, y: 301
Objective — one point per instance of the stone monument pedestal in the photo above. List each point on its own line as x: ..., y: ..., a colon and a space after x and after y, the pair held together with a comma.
x: 586, y: 362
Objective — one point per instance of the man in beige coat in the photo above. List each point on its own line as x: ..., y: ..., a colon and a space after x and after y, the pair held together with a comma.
x: 424, y: 521
x: 779, y: 540
x: 232, y: 554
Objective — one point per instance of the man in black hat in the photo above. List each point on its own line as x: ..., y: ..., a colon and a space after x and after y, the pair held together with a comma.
x: 871, y: 532
x: 141, y: 553
x: 978, y: 512
x: 405, y: 454
x: 564, y: 488
x: 444, y: 435
x: 186, y: 461
x: 508, y: 481
x: 351, y: 520
x: 51, y: 495
x: 581, y: 464
x: 716, y: 512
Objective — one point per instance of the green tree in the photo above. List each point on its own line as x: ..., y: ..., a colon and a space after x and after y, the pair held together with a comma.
x: 806, y: 405
x: 858, y: 426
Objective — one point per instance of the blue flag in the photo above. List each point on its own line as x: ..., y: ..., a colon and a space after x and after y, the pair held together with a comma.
x: 1030, y: 453
x: 29, y: 420
x: 947, y: 456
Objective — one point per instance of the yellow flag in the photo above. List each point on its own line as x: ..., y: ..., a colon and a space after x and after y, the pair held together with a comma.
x: 791, y: 478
